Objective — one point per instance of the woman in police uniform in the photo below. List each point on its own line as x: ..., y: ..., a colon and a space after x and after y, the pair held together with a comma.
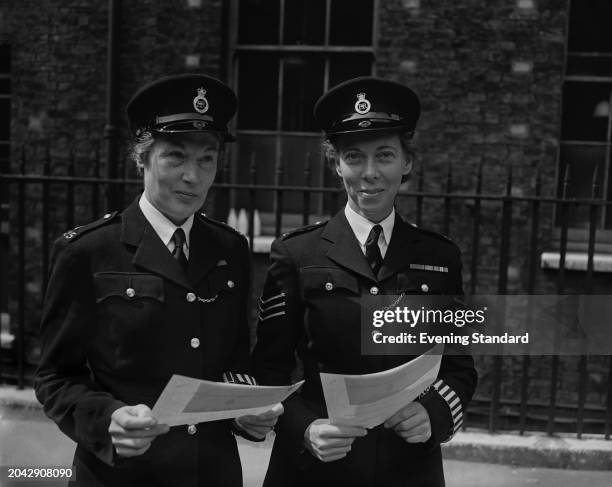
x: 156, y: 290
x: 310, y: 305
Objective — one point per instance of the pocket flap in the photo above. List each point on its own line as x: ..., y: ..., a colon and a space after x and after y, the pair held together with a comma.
x: 327, y: 279
x: 221, y: 279
x: 128, y: 286
x: 417, y: 281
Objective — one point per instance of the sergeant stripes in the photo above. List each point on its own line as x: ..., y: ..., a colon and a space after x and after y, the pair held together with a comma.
x: 272, y: 306
x: 453, y: 403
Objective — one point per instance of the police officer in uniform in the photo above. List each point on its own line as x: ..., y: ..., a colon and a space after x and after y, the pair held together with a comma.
x: 155, y: 290
x: 311, y: 305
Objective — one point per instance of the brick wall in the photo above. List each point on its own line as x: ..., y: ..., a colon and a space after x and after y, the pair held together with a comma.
x: 489, y: 75
x: 60, y: 54
x: 490, y: 81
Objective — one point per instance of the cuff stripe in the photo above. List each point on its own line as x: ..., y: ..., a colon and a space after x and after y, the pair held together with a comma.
x: 453, y: 402
x: 235, y: 378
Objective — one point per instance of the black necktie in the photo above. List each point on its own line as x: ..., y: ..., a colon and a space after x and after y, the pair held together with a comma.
x: 373, y: 255
x: 179, y: 240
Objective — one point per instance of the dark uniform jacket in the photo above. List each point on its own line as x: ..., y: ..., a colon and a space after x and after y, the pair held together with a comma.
x: 120, y: 317
x: 310, y: 304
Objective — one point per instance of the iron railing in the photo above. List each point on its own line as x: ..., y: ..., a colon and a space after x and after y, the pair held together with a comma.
x: 500, y: 235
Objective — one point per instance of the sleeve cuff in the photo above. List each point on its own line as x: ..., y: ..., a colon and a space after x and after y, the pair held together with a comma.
x: 247, y: 380
x: 235, y: 378
x: 444, y: 409
x: 453, y: 402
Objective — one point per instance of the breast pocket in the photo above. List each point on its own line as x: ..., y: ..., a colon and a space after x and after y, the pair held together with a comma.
x: 130, y: 304
x: 421, y: 282
x: 130, y: 288
x: 327, y: 281
x: 223, y: 283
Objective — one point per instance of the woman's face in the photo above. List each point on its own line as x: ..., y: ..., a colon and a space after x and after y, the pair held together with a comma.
x: 371, y: 166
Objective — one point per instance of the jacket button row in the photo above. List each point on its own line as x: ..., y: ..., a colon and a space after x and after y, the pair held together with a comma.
x: 194, y: 342
x: 191, y: 429
x: 130, y: 292
x: 190, y: 297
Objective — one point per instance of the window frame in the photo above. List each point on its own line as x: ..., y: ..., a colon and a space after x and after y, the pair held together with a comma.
x: 236, y: 50
x: 577, y: 238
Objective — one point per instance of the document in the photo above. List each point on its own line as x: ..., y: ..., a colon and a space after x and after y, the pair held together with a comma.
x: 369, y: 400
x: 186, y: 400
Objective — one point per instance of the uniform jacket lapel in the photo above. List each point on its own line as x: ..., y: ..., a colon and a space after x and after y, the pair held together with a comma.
x: 151, y: 253
x: 344, y: 249
x: 401, y: 251
x: 204, y: 251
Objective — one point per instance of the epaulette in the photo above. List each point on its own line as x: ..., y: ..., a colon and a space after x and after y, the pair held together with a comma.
x: 82, y: 229
x: 301, y: 230
x: 222, y: 225
x: 431, y: 233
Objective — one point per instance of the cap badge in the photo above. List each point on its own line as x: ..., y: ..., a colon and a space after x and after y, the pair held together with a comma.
x: 200, y: 103
x: 362, y: 105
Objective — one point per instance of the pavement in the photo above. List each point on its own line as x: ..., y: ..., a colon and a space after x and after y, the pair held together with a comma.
x: 473, y: 458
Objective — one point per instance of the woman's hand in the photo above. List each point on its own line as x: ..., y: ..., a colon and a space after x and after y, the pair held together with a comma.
x: 411, y: 423
x: 260, y: 425
x: 133, y: 429
x: 330, y: 442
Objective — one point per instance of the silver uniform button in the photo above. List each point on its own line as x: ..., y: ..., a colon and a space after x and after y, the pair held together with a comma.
x: 190, y: 297
x: 191, y: 429
x: 329, y: 286
x: 230, y: 284
x: 194, y: 342
x: 107, y: 216
x: 130, y: 292
x: 374, y: 290
x: 424, y: 288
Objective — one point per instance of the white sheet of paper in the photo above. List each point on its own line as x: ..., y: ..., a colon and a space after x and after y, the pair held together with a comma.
x: 186, y: 400
x: 369, y: 400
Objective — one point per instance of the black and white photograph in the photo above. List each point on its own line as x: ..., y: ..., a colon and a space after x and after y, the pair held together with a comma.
x: 303, y: 243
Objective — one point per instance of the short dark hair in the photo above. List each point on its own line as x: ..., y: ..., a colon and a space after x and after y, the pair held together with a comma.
x: 330, y: 149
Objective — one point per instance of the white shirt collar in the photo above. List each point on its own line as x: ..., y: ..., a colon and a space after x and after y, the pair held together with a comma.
x: 361, y: 227
x: 161, y: 224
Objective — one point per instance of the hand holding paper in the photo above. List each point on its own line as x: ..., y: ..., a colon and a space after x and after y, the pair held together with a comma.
x: 411, y: 423
x: 369, y: 400
x: 133, y: 429
x: 185, y: 400
x: 330, y: 442
x: 260, y: 425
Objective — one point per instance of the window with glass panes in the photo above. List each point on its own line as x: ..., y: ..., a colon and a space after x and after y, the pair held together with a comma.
x: 284, y: 55
x: 587, y: 121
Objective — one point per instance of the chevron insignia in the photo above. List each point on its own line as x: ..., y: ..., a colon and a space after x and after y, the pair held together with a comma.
x: 272, y: 306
